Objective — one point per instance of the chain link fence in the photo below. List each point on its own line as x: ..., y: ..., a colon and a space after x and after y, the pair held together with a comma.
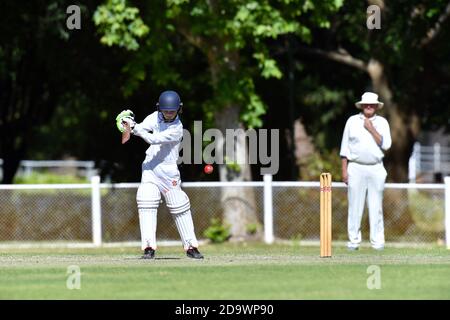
x: 410, y: 215
x: 64, y: 213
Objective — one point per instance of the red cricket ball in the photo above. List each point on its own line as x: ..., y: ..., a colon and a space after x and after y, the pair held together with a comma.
x: 208, y: 169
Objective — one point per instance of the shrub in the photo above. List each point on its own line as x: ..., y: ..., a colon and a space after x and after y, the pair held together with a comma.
x: 48, y: 178
x: 217, y: 232
x: 252, y: 228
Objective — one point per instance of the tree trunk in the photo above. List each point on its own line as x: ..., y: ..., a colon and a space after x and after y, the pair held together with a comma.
x: 404, y: 127
x: 397, y: 158
x: 13, y: 146
x: 239, y: 203
x: 404, y: 131
x: 304, y: 148
x: 11, y: 162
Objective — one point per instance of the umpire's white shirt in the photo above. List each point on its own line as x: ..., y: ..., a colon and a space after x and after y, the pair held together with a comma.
x: 359, y: 146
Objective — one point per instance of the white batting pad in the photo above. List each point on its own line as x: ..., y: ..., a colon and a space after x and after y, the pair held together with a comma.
x: 177, y: 201
x: 147, y: 223
x: 179, y: 206
x: 148, y: 198
x: 185, y: 227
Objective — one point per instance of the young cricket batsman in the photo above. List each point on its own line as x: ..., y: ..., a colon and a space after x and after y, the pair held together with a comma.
x: 163, y: 130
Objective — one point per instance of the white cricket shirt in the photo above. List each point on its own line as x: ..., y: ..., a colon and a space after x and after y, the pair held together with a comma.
x: 358, y: 144
x: 165, y: 139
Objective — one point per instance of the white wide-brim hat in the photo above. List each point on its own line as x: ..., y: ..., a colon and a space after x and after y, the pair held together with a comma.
x: 369, y: 98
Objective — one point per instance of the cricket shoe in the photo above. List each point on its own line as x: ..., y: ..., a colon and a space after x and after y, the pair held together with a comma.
x: 149, y: 253
x: 193, y: 253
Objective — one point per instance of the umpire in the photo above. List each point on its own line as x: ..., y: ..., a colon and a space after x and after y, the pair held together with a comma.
x: 366, y: 137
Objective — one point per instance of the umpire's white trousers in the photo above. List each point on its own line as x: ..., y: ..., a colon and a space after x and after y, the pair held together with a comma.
x: 362, y: 180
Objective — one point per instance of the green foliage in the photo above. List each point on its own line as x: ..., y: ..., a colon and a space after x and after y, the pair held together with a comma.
x: 318, y: 163
x: 268, y: 66
x: 295, y: 239
x: 427, y: 210
x: 256, y: 20
x: 326, y: 106
x: 120, y: 24
x: 217, y: 232
x: 48, y: 178
x: 232, y: 165
x: 253, y: 106
x: 252, y: 228
x: 230, y: 34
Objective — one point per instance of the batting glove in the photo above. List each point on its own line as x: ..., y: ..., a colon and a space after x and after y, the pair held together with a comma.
x: 125, y: 116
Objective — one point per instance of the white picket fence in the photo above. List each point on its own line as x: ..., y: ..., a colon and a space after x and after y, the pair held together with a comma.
x: 428, y: 160
x: 267, y: 186
x: 27, y: 167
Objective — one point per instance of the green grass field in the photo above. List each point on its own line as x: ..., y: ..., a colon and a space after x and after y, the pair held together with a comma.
x: 230, y: 271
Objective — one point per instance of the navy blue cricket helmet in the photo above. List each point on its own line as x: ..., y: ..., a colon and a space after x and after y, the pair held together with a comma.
x: 170, y: 101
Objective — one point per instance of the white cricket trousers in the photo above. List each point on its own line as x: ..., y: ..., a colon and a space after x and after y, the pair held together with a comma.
x: 365, y: 179
x: 166, y: 177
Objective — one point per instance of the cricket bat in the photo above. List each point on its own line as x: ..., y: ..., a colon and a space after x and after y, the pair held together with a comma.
x: 127, y: 133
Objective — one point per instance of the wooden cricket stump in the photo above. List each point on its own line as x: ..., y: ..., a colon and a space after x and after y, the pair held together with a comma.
x: 325, y: 215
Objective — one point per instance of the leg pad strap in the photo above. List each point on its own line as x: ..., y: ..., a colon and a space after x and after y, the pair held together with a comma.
x: 148, y: 196
x: 177, y: 201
